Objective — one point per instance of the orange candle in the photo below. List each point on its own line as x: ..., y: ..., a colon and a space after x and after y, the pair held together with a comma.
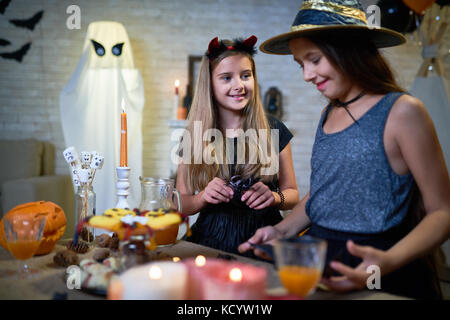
x: 123, y: 138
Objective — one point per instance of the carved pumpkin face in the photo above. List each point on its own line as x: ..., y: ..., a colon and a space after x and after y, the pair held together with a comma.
x: 54, y: 227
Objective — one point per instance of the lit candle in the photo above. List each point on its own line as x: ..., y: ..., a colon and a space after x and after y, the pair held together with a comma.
x: 200, y: 261
x: 177, y: 86
x: 177, y: 97
x: 195, y: 277
x: 234, y: 281
x: 162, y: 280
x: 235, y: 275
x: 218, y: 279
x: 123, y: 137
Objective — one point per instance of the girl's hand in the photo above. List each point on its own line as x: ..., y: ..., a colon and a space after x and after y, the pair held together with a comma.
x: 356, y: 279
x: 217, y: 191
x: 258, y: 196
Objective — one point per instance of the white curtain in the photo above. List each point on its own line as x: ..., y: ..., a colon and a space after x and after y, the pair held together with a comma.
x: 90, y: 107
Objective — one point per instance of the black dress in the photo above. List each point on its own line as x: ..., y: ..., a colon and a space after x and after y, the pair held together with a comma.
x: 225, y: 226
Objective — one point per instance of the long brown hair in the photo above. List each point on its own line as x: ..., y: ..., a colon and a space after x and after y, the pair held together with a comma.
x: 358, y: 58
x: 205, y: 110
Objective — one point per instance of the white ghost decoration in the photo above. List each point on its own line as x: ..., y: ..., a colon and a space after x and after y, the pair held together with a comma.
x: 90, y: 106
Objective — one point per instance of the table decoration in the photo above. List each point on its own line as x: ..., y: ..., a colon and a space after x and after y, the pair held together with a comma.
x: 162, y: 280
x: 123, y: 171
x: 129, y: 224
x: 217, y: 279
x: 83, y: 173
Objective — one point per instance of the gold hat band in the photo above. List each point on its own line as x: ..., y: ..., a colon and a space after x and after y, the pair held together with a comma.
x: 334, y: 8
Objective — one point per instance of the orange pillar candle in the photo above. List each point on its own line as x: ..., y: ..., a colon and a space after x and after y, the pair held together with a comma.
x: 123, y: 138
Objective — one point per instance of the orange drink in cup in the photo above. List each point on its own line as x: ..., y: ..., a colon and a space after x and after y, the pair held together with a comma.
x: 299, y: 280
x: 23, y: 249
x: 23, y: 237
x: 300, y: 262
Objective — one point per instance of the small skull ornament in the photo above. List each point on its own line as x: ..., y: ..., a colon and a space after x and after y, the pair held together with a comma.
x: 85, y: 157
x: 97, y: 162
x: 70, y: 154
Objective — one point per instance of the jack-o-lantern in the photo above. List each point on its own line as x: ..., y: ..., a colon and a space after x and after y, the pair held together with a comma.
x: 54, y: 226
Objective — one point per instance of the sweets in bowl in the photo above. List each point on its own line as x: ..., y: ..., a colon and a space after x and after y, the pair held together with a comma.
x: 161, y: 226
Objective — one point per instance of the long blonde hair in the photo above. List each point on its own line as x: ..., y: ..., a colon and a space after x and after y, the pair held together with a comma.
x: 204, y: 109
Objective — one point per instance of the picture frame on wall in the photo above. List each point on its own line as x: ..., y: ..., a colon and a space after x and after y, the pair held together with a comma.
x: 193, y: 69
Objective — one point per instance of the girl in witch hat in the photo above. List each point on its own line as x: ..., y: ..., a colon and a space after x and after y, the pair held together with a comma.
x: 379, y: 188
x: 242, y: 175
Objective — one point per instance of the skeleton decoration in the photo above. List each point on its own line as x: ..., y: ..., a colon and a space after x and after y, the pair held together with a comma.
x: 83, y: 172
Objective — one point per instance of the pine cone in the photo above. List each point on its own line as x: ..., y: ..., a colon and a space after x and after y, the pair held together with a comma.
x: 103, y: 240
x: 65, y: 258
x: 86, y: 235
x: 114, y: 242
x: 80, y: 247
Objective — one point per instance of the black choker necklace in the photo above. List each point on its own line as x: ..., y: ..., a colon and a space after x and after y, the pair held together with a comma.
x: 344, y: 105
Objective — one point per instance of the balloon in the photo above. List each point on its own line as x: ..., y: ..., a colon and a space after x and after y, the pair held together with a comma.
x: 397, y: 16
x: 419, y: 6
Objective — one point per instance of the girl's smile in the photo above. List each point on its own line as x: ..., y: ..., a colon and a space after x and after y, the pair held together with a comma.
x: 233, y: 82
x: 317, y: 69
x: 321, y: 85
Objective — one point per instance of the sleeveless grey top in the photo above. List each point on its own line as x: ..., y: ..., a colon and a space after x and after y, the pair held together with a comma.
x: 353, y: 187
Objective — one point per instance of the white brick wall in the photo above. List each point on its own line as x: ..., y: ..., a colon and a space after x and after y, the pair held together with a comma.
x: 162, y: 33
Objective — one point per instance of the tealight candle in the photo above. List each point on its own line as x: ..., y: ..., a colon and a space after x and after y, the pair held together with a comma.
x: 194, y: 287
x: 235, y: 275
x: 234, y: 281
x: 163, y: 280
x: 200, y: 261
x: 218, y: 279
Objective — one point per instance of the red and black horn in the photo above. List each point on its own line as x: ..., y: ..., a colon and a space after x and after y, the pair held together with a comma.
x: 250, y: 41
x: 216, y: 47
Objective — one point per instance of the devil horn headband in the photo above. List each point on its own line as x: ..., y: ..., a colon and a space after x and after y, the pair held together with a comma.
x: 216, y: 47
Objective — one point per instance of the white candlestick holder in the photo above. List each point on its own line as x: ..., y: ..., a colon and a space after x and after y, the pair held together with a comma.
x: 123, y: 186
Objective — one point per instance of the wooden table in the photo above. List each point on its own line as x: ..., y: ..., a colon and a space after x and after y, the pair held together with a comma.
x: 51, y: 277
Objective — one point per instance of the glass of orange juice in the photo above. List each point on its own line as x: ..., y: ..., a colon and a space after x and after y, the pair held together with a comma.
x: 300, y: 262
x: 23, y: 236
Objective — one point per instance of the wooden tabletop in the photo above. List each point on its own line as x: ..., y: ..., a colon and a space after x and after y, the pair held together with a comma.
x: 50, y: 280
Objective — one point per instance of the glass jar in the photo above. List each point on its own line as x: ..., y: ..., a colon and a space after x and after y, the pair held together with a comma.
x: 85, y: 207
x: 158, y: 193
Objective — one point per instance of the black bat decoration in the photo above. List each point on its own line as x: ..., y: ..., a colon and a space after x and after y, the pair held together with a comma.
x: 4, y: 42
x: 28, y: 23
x: 3, y: 5
x: 17, y: 55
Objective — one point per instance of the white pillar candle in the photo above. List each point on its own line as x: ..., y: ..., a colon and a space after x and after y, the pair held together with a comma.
x: 162, y: 280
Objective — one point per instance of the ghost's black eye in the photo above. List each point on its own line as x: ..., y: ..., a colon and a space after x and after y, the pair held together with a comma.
x: 117, y: 49
x: 99, y: 49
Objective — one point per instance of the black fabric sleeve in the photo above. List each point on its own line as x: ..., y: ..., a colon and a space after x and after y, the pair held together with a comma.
x: 284, y: 134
